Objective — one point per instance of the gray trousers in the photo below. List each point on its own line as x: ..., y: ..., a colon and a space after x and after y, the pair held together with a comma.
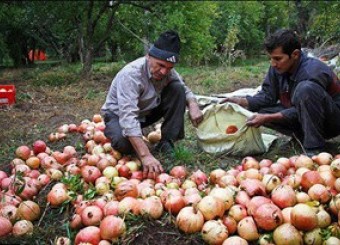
x: 171, y: 109
x: 317, y: 116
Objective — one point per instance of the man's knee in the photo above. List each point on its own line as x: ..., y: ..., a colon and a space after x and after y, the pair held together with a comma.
x: 307, y: 90
x: 175, y: 88
x: 122, y: 145
x: 118, y: 141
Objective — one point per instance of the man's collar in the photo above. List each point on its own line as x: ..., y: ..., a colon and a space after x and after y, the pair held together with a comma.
x: 147, y: 68
x: 302, y: 57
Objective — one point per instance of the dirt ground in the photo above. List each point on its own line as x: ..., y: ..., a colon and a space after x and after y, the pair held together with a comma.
x: 39, y: 111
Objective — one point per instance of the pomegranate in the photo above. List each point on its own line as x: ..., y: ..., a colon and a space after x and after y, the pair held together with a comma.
x: 284, y: 196
x: 224, y: 195
x: 256, y: 202
x: 231, y: 129
x: 112, y: 227
x: 5, y: 226
x: 249, y: 162
x: 174, y: 203
x: 178, y: 172
x: 253, y: 187
x: 335, y: 167
x: 23, y: 152
x: 199, y: 177
x: 214, y: 232
x: 310, y: 178
x: 323, y: 158
x: 124, y: 189
x: 192, y: 200
x: 33, y: 162
x: 216, y: 174
x: 268, y: 216
x: 242, y: 198
x: 152, y: 207
x: 287, y: 234
x: 237, y: 212
x: 91, y: 215
x: 128, y: 205
x: 9, y: 211
x: 324, y: 218
x: 62, y: 241
x: 235, y: 240
x: 226, y: 180
x: 89, y: 234
x: 57, y: 197
x: 304, y: 161
x: 265, y: 163
x: 303, y: 217
x: 319, y: 193
x: 39, y: 146
x: 247, y: 229
x: 90, y: 173
x: 278, y: 169
x: 75, y: 222
x: 190, y: 220
x: 270, y: 181
x: 211, y: 207
x: 230, y: 223
x: 29, y: 210
x: 284, y: 161
x: 23, y: 227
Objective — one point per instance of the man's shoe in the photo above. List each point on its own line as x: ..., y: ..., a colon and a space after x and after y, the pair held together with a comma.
x: 165, y: 146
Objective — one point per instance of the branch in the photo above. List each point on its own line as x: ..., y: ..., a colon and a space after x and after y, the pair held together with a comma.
x: 89, y: 17
x: 100, y: 13
x: 146, y: 7
x: 131, y: 32
x: 108, y: 27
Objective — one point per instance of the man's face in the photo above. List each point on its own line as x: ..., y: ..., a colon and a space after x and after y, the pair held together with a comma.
x: 159, y: 68
x: 282, y: 63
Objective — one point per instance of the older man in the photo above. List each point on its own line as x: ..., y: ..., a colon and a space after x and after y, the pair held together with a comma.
x: 143, y: 92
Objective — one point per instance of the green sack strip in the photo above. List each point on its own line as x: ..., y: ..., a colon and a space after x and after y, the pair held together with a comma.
x: 212, y: 137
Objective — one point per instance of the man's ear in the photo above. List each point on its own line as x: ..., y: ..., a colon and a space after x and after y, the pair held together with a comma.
x: 296, y: 54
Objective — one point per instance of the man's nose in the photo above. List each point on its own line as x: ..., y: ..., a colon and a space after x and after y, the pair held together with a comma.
x: 164, y: 71
x: 273, y: 63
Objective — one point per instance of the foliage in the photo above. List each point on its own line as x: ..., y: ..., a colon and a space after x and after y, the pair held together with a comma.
x: 326, y: 25
x: 240, y: 17
x: 123, y: 30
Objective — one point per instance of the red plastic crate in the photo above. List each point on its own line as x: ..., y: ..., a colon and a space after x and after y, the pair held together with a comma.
x: 7, y: 94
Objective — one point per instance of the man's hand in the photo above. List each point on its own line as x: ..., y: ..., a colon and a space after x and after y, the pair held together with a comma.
x: 258, y: 119
x: 236, y: 100
x: 151, y: 167
x: 195, y: 114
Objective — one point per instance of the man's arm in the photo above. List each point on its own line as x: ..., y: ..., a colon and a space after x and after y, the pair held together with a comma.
x: 258, y: 120
x: 237, y: 100
x: 151, y: 166
x: 195, y: 114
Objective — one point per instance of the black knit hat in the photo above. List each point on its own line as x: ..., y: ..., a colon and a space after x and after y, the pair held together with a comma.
x: 166, y: 47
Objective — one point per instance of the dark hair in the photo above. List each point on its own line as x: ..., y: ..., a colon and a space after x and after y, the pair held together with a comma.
x: 286, y: 39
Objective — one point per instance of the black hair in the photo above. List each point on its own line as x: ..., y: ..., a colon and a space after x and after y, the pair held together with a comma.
x: 287, y: 39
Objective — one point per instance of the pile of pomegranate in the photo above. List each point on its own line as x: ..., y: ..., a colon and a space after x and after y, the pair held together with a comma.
x: 291, y: 200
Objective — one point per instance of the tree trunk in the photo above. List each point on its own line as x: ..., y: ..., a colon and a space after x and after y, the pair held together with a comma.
x: 303, y: 18
x: 88, y: 59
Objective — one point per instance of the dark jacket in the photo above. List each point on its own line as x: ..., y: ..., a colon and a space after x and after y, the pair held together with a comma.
x: 279, y: 88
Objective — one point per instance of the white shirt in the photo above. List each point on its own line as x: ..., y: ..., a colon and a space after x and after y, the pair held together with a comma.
x: 133, y: 94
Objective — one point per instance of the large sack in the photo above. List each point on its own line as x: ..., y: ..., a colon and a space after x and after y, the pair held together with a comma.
x: 212, y: 136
